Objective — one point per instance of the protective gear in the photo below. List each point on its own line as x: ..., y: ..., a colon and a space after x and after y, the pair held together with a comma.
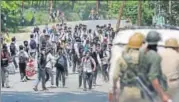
x: 136, y: 40
x: 172, y: 42
x: 153, y: 38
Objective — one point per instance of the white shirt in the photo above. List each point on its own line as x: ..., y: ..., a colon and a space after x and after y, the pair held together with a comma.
x: 26, y: 54
x: 105, y: 59
x: 76, y: 49
x: 87, y: 64
x: 50, y: 60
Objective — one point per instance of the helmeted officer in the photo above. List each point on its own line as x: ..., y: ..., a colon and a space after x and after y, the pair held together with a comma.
x: 170, y: 64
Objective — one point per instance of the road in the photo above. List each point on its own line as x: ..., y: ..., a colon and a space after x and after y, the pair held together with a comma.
x: 23, y: 91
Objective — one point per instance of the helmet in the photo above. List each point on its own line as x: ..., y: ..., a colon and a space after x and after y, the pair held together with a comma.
x: 153, y: 38
x: 136, y: 40
x: 172, y: 42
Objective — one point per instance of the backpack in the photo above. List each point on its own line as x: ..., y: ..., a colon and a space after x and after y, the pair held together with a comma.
x: 61, y: 62
x: 4, y: 59
x: 22, y: 57
x: 33, y: 44
x: 13, y: 49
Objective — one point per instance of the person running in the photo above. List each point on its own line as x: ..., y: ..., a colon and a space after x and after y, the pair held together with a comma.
x: 23, y: 58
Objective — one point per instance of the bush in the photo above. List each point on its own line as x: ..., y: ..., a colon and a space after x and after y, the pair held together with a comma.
x: 41, y: 18
x: 72, y: 16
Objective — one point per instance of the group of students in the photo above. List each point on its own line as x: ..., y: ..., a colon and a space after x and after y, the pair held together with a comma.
x: 9, y: 55
x: 77, y: 47
x: 61, y: 47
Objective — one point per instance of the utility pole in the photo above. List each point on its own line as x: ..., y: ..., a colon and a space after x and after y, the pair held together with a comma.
x: 97, y: 6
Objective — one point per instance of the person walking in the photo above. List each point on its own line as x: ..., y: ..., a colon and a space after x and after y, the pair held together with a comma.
x: 87, y: 63
x: 5, y: 57
x: 50, y: 60
x: 170, y: 64
x: 61, y: 66
x: 41, y: 70
x: 23, y: 58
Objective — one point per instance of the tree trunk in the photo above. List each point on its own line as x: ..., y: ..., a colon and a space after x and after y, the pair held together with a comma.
x: 32, y: 4
x: 139, y: 16
x: 50, y: 6
x: 120, y: 14
x: 73, y: 4
x: 97, y: 4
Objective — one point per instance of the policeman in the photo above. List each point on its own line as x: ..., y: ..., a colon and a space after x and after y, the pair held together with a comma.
x: 170, y: 64
x: 122, y: 65
x: 144, y: 64
x: 150, y: 67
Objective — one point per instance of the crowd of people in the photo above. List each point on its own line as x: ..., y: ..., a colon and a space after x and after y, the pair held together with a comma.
x: 87, y: 52
x: 81, y: 49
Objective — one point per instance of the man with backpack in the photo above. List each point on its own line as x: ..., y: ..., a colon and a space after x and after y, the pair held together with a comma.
x: 23, y: 58
x: 4, y: 66
x: 61, y: 66
x: 13, y: 51
x: 33, y: 46
x: 89, y: 66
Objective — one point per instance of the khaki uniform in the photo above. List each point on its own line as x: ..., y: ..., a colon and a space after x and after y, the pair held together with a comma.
x: 148, y: 67
x: 170, y: 67
x: 129, y: 94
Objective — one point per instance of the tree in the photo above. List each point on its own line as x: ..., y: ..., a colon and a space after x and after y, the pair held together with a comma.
x: 139, y: 16
x: 120, y: 15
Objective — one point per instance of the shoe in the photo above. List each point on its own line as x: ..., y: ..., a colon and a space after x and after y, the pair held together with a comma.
x: 8, y: 86
x: 35, y: 89
x: 52, y: 86
x: 44, y: 89
x: 27, y: 78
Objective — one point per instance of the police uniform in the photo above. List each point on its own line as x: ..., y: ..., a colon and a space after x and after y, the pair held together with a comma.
x: 121, y: 65
x: 170, y: 64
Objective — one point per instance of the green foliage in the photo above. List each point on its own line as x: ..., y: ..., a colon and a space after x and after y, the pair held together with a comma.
x: 72, y: 17
x: 80, y: 10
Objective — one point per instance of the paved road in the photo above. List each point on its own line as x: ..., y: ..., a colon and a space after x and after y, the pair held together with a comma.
x: 23, y: 92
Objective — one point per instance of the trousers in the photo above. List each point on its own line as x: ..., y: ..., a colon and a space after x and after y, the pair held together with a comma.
x: 5, y: 76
